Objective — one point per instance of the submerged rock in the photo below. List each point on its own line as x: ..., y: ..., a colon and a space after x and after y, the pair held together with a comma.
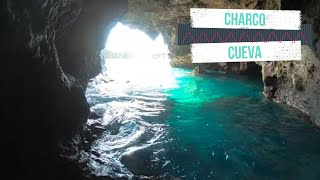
x: 198, y: 70
x: 94, y: 115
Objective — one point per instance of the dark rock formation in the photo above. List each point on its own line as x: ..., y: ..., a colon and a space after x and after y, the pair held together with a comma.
x: 80, y: 45
x: 49, y: 51
x: 248, y: 68
x: 297, y: 82
x: 198, y: 70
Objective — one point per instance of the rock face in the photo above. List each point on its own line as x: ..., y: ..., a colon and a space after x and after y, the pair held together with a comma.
x: 248, y: 68
x: 50, y: 50
x: 297, y: 83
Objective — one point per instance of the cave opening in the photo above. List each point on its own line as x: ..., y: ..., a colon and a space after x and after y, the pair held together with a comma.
x: 132, y: 61
x: 131, y: 55
x: 153, y: 119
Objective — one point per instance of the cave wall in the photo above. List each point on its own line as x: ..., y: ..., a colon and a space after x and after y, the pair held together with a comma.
x: 50, y: 49
x: 80, y: 45
x: 297, y: 83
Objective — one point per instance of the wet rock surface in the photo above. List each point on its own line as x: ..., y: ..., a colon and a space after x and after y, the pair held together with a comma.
x: 297, y: 82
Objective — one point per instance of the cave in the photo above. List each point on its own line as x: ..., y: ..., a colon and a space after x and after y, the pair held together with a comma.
x: 65, y: 118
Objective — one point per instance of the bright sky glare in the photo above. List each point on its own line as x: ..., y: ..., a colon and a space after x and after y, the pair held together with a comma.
x: 140, y: 69
x: 135, y: 42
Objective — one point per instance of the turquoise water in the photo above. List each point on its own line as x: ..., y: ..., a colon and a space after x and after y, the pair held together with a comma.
x: 181, y: 126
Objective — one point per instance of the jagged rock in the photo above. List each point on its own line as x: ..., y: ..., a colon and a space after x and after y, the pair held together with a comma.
x: 94, y: 115
x: 249, y: 68
x: 182, y: 61
x: 198, y: 70
x: 295, y: 83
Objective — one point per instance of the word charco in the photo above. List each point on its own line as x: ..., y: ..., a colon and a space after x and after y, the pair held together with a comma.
x: 244, y: 19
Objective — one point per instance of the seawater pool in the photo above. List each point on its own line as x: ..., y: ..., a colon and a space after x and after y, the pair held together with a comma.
x: 164, y: 123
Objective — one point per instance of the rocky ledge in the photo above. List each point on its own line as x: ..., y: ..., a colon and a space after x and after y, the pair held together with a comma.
x: 297, y: 83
